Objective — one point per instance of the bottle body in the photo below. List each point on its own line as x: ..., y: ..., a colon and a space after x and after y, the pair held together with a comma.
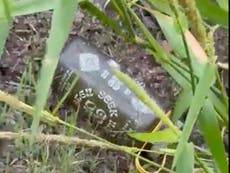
x: 111, y: 107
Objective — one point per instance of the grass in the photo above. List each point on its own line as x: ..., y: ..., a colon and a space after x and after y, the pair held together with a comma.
x: 193, y: 67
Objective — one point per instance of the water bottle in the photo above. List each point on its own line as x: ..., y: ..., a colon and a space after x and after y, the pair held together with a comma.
x: 109, y: 105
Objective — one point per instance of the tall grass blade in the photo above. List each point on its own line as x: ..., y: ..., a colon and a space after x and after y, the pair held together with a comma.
x: 4, y: 31
x: 5, y: 23
x: 223, y: 4
x: 166, y: 136
x: 219, y: 107
x: 212, y: 12
x: 122, y: 9
x: 178, y: 74
x: 171, y: 33
x: 186, y: 159
x: 201, y: 92
x: 182, y: 104
x: 93, y: 10
x: 209, y: 127
x: 177, y: 41
x: 161, y: 55
x: 62, y: 19
x: 162, y: 6
x: 24, y: 7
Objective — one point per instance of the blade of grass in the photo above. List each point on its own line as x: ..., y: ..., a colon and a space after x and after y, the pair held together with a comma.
x: 171, y: 33
x: 159, y: 51
x: 4, y: 31
x: 220, y: 107
x: 24, y: 7
x: 93, y: 10
x: 200, y: 95
x: 5, y: 23
x: 179, y: 73
x: 162, y: 6
x: 188, y: 53
x: 186, y: 160
x: 121, y: 7
x: 62, y: 19
x: 166, y: 136
x: 209, y: 127
x: 223, y: 4
x: 171, y: 29
x: 212, y: 12
x: 182, y: 103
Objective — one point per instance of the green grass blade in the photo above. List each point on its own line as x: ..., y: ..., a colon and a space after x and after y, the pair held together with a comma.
x: 179, y: 75
x: 220, y: 107
x: 4, y: 31
x: 169, y: 26
x: 24, y: 7
x: 212, y: 12
x: 182, y: 103
x: 171, y: 33
x: 223, y: 4
x: 122, y: 9
x: 162, y: 6
x: 166, y: 136
x: 93, y: 10
x: 209, y: 127
x: 160, y: 54
x: 5, y: 24
x: 62, y: 19
x: 201, y: 92
x: 186, y: 159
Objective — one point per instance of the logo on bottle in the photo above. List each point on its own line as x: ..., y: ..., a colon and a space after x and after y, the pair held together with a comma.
x: 89, y: 62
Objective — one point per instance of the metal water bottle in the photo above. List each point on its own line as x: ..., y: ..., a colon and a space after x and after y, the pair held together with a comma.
x: 102, y: 98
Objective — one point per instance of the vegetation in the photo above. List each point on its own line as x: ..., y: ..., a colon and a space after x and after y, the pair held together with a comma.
x: 188, y: 27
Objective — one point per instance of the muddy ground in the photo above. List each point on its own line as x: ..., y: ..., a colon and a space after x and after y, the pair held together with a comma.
x: 24, y: 50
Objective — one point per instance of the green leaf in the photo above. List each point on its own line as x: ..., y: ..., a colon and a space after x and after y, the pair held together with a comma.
x: 5, y: 24
x: 186, y: 159
x: 122, y: 9
x: 166, y: 135
x: 62, y: 19
x: 161, y: 55
x: 212, y: 12
x: 223, y: 4
x: 182, y: 103
x: 219, y: 107
x: 200, y: 95
x: 24, y: 7
x: 4, y: 31
x: 209, y: 127
x: 175, y: 39
x: 162, y: 5
x: 178, y: 74
x: 171, y: 33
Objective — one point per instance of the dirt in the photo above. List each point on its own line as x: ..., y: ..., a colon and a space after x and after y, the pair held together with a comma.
x: 26, y: 45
